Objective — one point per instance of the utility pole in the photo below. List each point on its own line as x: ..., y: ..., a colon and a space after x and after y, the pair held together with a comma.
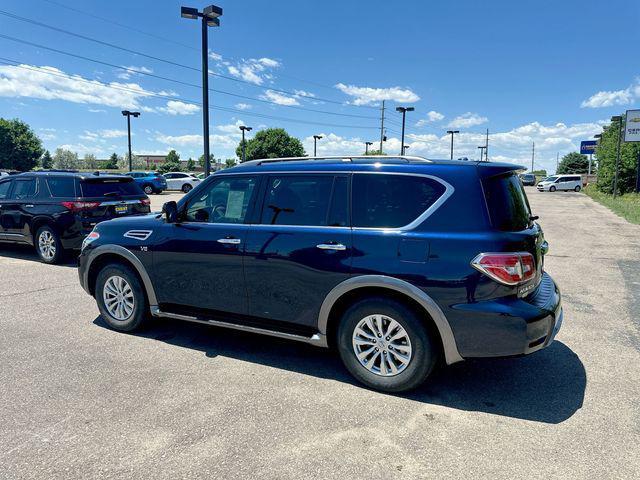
x: 486, y: 147
x: 452, y: 132
x: 403, y: 111
x: 533, y: 153
x: 129, y: 114
x: 381, y: 126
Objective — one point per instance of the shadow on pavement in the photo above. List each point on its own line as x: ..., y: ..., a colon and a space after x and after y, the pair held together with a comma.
x: 547, y: 386
x: 27, y: 252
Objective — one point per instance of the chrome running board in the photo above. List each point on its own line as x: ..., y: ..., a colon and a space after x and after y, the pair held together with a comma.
x: 316, y: 339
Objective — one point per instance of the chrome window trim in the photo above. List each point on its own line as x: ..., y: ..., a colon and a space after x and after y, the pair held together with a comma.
x: 449, y: 190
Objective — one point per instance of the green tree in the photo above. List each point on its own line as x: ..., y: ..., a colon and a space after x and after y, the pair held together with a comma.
x: 540, y: 173
x: 606, y: 160
x: 171, y: 163
x: 46, y: 161
x: 191, y: 164
x: 272, y: 143
x: 573, y: 162
x: 136, y: 163
x: 374, y: 152
x: 230, y: 162
x: 201, y: 160
x: 90, y: 161
x: 66, y: 159
x: 20, y: 148
x: 112, y: 163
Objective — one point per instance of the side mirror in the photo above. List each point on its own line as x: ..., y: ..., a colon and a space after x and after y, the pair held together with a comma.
x: 170, y: 211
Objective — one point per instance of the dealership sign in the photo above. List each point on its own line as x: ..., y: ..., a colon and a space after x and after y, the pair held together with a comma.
x: 632, y: 126
x: 588, y: 147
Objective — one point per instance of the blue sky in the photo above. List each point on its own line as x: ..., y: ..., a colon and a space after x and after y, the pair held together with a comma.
x: 544, y: 72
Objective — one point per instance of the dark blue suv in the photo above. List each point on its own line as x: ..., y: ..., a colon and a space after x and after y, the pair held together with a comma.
x: 397, y: 262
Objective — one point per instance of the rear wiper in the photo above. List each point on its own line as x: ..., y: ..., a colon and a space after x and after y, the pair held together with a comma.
x: 112, y: 194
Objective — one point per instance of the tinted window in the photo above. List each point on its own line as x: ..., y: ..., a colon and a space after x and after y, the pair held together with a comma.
x: 62, y: 186
x: 391, y: 201
x: 297, y: 200
x: 108, y: 188
x: 507, y: 203
x: 4, y: 189
x: 339, y: 209
x: 168, y: 176
x: 223, y: 201
x: 24, y: 189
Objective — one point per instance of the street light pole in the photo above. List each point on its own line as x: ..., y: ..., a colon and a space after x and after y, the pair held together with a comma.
x: 481, y: 147
x: 129, y: 114
x: 366, y: 147
x: 617, y: 118
x: 244, y: 145
x: 315, y: 140
x: 404, y: 111
x: 452, y: 132
x: 209, y: 16
x: 404, y: 149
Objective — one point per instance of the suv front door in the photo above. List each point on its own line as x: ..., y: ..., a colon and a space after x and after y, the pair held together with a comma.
x: 5, y: 190
x: 199, y: 263
x: 300, y: 247
x: 18, y: 210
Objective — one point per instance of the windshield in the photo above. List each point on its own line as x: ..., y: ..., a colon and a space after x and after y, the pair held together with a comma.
x: 550, y: 179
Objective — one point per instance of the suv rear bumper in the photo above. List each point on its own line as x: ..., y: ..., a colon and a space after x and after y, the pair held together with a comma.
x: 509, y: 326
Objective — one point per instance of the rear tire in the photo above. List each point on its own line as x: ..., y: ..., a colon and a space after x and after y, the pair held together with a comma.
x: 48, y: 245
x: 577, y: 189
x: 148, y: 189
x: 397, y: 336
x: 186, y: 188
x: 552, y: 188
x: 120, y: 297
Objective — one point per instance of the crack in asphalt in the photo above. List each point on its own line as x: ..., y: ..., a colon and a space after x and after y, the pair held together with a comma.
x: 6, y: 295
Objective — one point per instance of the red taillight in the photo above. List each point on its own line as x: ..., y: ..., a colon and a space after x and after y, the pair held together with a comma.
x: 79, y: 206
x: 145, y: 201
x: 506, y: 268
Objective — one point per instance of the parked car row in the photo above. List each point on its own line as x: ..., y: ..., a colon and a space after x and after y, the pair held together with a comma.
x: 153, y: 182
x: 553, y: 183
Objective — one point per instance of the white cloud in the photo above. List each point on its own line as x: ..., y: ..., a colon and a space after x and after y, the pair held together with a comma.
x: 101, y: 135
x: 243, y: 106
x: 217, y: 142
x: 175, y: 107
x: 279, y: 98
x: 82, y: 149
x: 97, y: 110
x: 254, y: 70
x: 613, y: 97
x: 303, y: 93
x: 50, y: 83
x: 332, y: 144
x: 231, y: 128
x: 467, y: 120
x: 131, y: 71
x: 432, y: 116
x: 369, y: 95
x: 214, y: 56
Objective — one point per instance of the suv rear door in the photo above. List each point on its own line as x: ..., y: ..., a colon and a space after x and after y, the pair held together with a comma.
x: 299, y: 246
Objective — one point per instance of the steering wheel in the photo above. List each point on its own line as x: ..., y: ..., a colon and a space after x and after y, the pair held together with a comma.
x: 218, y: 211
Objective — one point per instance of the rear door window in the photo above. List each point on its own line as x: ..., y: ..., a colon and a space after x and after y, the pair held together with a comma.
x: 62, y: 187
x: 109, y: 188
x: 4, y: 189
x: 392, y: 201
x: 298, y: 200
x: 24, y: 189
x: 508, y: 205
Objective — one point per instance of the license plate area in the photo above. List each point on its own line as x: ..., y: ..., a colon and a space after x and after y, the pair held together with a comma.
x: 121, y: 209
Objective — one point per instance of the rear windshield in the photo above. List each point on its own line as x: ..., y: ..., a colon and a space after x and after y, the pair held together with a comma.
x: 110, y: 188
x: 507, y: 203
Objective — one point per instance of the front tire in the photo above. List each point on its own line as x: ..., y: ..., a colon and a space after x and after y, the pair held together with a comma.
x: 186, y: 188
x: 385, y: 345
x: 48, y: 245
x: 120, y: 297
x: 552, y: 188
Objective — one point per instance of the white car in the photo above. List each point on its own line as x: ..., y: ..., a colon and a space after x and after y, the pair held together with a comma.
x: 181, y: 181
x: 560, y: 182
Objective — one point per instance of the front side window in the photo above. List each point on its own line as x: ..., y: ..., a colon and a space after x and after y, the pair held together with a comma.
x: 392, y: 201
x: 223, y: 201
x: 4, y: 189
x: 299, y: 200
x: 24, y: 189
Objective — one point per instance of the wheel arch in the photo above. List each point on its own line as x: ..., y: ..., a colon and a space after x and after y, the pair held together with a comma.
x: 41, y: 221
x: 106, y: 254
x: 345, y: 293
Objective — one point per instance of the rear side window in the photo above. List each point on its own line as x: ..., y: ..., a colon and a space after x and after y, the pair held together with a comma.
x: 300, y: 200
x: 24, y: 189
x: 392, y: 201
x: 61, y: 187
x: 507, y: 203
x: 4, y: 189
x: 108, y: 188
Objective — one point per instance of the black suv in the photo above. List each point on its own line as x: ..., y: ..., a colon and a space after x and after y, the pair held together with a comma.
x: 55, y: 211
x: 395, y: 261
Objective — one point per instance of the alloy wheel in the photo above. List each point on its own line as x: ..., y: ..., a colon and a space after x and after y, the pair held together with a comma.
x: 382, y: 345
x: 118, y: 298
x: 47, y: 245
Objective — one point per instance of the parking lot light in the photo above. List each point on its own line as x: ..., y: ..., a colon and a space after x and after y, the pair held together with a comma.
x: 452, y: 133
x: 404, y: 111
x: 315, y: 140
x: 244, y: 145
x: 210, y: 18
x: 130, y: 114
x: 366, y: 147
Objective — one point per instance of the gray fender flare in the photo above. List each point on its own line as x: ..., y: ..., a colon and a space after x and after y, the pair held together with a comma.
x: 131, y: 258
x: 444, y: 329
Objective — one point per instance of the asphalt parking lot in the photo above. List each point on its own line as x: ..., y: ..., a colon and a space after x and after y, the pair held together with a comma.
x: 180, y: 400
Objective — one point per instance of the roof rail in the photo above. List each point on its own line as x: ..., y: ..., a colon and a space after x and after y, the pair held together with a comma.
x: 344, y: 158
